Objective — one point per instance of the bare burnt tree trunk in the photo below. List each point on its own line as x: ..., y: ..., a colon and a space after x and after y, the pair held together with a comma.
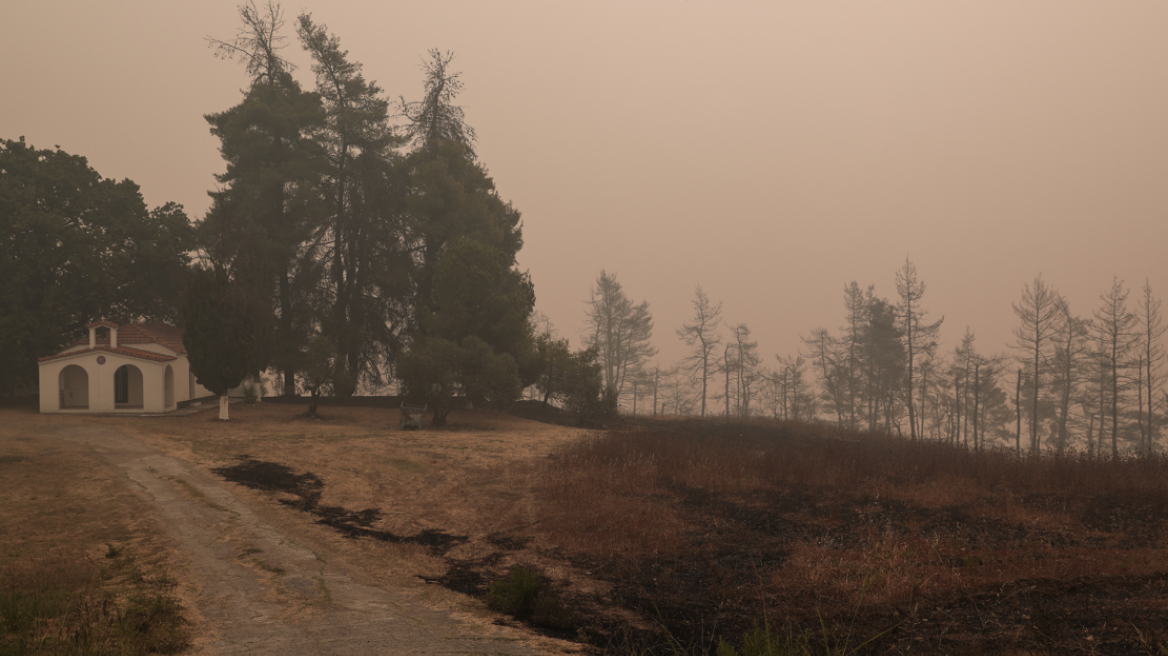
x: 656, y: 381
x: 1090, y: 434
x: 1114, y: 401
x: 1144, y: 445
x: 924, y: 399
x: 740, y: 382
x: 1102, y: 394
x: 1040, y: 311
x: 1151, y: 331
x: 965, y: 411
x: 1070, y: 345
x: 702, y: 335
x: 1018, y: 405
x: 977, y: 443
x: 856, y: 310
x: 1115, y: 324
x: 957, y: 409
x: 726, y: 368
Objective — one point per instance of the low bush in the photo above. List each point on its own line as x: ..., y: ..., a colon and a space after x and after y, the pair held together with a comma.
x: 528, y: 595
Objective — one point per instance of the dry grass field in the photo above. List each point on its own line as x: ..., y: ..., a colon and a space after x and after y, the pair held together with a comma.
x: 83, y: 568
x: 680, y: 536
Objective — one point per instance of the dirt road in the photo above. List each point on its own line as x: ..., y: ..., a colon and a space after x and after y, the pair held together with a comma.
x: 260, y: 592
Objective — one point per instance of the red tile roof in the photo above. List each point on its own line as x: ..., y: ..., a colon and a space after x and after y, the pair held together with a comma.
x: 159, y: 333
x: 141, y: 333
x: 120, y: 350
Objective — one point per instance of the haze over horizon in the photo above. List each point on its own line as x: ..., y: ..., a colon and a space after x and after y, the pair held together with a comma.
x: 770, y: 154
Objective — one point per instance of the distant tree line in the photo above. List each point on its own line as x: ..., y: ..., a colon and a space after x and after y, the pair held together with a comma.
x: 1092, y: 384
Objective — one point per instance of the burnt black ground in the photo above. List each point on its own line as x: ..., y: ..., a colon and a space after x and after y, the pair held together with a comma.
x: 305, y: 490
x: 709, y: 590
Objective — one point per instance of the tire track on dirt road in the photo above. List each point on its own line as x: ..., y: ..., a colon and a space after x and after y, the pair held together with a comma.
x: 258, y: 590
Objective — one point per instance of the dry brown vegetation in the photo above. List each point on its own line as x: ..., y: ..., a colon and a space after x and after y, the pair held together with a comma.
x: 83, y: 568
x: 821, y: 532
x: 667, y: 536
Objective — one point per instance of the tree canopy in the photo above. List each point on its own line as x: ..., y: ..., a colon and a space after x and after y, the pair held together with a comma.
x: 380, y: 239
x: 75, y: 247
x: 475, y: 334
x: 217, y: 332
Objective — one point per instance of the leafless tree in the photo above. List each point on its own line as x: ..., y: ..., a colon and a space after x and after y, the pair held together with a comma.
x: 701, y: 335
x: 1118, y: 338
x: 1041, y: 315
x: 776, y: 389
x: 728, y: 367
x: 740, y: 368
x: 1018, y: 410
x: 918, y: 337
x: 928, y: 369
x: 797, y: 398
x: 965, y: 358
x: 980, y: 406
x: 1069, y: 371
x: 856, y: 304
x: 740, y: 362
x: 656, y: 386
x: 1098, y: 394
x: 748, y: 362
x: 1151, y: 329
x: 677, y: 391
x: 821, y: 348
x: 620, y: 330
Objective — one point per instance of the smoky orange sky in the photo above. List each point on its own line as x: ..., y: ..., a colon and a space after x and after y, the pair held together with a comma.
x: 768, y: 151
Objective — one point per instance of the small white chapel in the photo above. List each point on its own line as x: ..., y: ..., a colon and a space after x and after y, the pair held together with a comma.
x: 133, y: 368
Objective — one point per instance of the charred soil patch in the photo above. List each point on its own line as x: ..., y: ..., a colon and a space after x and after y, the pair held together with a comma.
x: 303, y: 492
x: 844, y: 538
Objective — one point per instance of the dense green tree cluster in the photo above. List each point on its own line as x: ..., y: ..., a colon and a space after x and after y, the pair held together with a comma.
x: 389, y: 242
x: 74, y: 247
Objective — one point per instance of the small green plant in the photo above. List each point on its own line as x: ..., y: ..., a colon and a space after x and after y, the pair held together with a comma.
x: 529, y: 596
x: 251, y: 394
x: 517, y: 593
x: 765, y: 641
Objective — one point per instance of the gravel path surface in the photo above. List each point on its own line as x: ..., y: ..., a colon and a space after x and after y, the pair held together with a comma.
x: 274, y: 596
